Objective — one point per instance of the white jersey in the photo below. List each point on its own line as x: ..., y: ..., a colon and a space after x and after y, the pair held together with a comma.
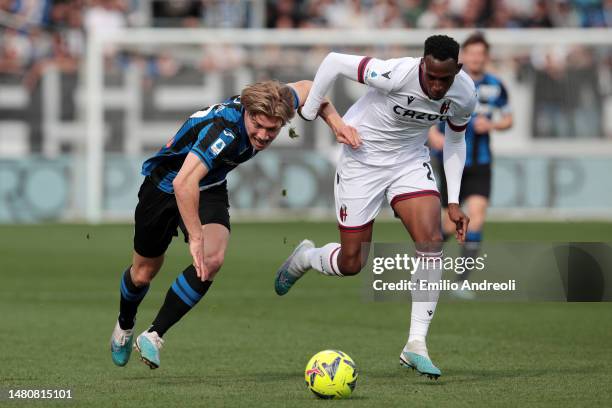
x: 394, y: 116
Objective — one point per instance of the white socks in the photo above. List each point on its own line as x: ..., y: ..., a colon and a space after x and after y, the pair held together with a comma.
x: 325, y: 259
x: 424, y: 301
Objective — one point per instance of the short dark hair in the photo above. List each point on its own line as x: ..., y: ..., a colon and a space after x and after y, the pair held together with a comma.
x: 476, y: 38
x: 442, y: 47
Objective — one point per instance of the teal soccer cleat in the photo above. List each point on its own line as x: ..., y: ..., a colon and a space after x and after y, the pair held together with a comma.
x: 293, y: 268
x: 415, y: 356
x: 121, y: 345
x: 148, y: 345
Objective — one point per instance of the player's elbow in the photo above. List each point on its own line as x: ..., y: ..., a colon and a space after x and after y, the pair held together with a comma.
x: 331, y: 56
x: 179, y: 184
x: 176, y: 183
x: 332, y: 61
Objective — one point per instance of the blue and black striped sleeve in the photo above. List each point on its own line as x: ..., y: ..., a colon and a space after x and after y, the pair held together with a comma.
x: 296, y: 98
x: 213, y: 143
x: 502, y: 100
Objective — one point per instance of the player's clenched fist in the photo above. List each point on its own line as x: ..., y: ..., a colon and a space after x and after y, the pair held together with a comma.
x: 347, y: 135
x: 460, y: 219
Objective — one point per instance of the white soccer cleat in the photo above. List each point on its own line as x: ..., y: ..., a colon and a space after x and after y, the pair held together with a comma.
x: 121, y: 345
x: 293, y: 268
x: 464, y: 294
x: 149, y: 344
x: 415, y: 356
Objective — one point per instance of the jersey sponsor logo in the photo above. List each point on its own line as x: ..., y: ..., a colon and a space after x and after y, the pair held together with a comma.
x: 217, y: 146
x: 387, y: 74
x: 403, y: 112
x: 410, y: 99
x: 444, y: 107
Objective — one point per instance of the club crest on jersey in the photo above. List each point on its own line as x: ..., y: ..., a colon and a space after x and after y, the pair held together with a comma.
x: 343, y: 213
x: 217, y: 146
x: 444, y: 107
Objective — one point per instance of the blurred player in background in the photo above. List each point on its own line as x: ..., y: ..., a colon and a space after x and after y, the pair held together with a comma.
x: 476, y: 180
x: 406, y: 97
x: 185, y: 185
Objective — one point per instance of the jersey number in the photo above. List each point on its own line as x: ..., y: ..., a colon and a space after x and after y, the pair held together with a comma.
x: 428, y: 167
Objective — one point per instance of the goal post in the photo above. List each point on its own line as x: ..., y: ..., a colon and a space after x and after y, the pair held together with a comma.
x: 151, y: 38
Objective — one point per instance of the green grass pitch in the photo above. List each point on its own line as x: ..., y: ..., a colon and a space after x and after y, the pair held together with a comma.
x: 244, y: 346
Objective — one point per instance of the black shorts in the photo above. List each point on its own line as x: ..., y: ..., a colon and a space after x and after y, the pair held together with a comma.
x: 476, y: 180
x: 157, y: 216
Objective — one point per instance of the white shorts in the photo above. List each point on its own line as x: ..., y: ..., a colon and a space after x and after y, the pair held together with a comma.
x: 359, y: 189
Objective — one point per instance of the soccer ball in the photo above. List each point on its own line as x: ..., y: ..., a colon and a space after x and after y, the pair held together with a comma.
x: 331, y: 374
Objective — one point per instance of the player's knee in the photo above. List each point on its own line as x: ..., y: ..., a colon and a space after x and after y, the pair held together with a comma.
x: 350, y: 265
x: 430, y: 242
x: 476, y: 223
x: 214, y: 262
x: 144, y: 273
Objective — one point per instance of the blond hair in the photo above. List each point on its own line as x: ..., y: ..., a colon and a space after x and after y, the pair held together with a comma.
x: 270, y: 98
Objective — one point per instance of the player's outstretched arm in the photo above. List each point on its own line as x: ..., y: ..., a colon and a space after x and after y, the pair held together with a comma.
x: 333, y: 65
x: 380, y: 74
x: 454, y: 161
x: 187, y: 192
x: 344, y: 134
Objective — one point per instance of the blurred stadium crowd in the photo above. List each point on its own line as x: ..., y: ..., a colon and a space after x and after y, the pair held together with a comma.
x: 35, y: 34
x: 88, y: 14
x: 562, y: 92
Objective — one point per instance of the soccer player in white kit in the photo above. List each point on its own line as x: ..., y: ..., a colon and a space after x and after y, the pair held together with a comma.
x: 406, y: 96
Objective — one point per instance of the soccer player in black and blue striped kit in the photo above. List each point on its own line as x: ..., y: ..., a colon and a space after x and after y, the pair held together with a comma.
x: 185, y: 186
x: 476, y: 179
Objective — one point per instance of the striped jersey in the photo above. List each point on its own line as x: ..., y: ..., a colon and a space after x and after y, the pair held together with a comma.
x: 216, y: 134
